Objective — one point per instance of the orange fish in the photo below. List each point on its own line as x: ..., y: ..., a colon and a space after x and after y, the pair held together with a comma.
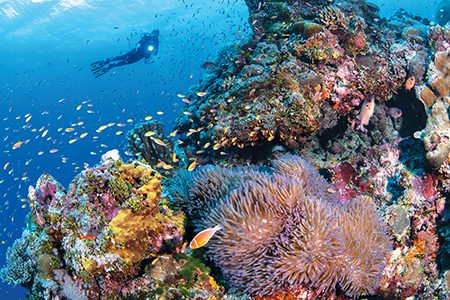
x: 409, y: 83
x: 203, y: 237
x: 87, y: 237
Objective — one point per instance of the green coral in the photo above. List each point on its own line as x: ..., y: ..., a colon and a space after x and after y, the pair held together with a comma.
x: 119, y: 188
x: 92, y: 184
x: 189, y: 269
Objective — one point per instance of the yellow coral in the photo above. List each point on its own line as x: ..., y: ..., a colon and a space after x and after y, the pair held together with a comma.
x: 131, y: 232
x: 90, y: 266
x: 137, y: 172
x: 134, y: 232
x: 213, y: 283
x: 152, y: 190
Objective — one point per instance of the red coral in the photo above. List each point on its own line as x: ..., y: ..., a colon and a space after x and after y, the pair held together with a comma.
x: 428, y: 187
x: 359, y: 41
x: 348, y: 182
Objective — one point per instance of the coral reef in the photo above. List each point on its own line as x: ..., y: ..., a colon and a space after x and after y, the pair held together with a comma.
x: 301, y: 71
x: 435, y: 95
x: 284, y: 227
x: 369, y: 215
x: 20, y: 269
x: 109, y: 236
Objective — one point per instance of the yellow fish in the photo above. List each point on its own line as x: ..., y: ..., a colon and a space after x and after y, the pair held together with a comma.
x: 160, y: 164
x: 149, y: 133
x: 17, y: 145
x: 167, y: 167
x: 158, y: 142
x: 192, y: 166
x: 101, y: 128
x: 203, y: 237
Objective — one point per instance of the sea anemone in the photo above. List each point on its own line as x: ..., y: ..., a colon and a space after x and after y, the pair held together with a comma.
x: 252, y: 217
x: 366, y: 246
x: 309, y: 247
x: 312, y: 183
x: 282, y: 227
x: 194, y: 192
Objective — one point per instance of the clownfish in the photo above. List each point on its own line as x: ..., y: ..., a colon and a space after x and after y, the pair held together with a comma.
x: 203, y: 237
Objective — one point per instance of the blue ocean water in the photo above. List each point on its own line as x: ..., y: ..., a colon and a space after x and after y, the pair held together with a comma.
x: 46, y: 84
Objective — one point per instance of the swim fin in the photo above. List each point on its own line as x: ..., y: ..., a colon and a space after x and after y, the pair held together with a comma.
x: 98, y: 64
x: 99, y: 72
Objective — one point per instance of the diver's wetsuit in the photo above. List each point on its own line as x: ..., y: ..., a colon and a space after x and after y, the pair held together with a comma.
x: 145, y: 48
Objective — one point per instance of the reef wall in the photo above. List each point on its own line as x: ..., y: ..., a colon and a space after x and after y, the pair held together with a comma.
x: 365, y: 100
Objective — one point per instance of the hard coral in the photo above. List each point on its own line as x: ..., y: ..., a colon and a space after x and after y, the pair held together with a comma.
x: 20, y: 268
x: 103, y: 232
x: 294, y: 76
x: 333, y: 18
x: 436, y: 96
x: 284, y: 227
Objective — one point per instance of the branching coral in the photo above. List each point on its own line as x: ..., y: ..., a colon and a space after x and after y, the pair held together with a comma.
x: 333, y: 18
x: 20, y: 269
x: 284, y: 227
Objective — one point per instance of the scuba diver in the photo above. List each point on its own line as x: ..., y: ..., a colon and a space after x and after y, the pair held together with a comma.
x: 145, y: 48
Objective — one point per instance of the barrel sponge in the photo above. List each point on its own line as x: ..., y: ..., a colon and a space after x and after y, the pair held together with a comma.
x: 282, y: 228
